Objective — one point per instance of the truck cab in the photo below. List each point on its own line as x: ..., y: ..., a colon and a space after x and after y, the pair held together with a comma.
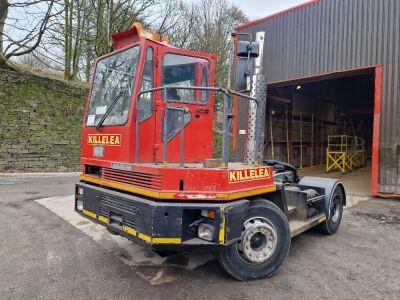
x: 137, y: 64
x: 147, y: 168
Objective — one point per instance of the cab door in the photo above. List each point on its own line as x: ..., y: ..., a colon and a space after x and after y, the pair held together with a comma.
x: 145, y: 108
x: 184, y: 69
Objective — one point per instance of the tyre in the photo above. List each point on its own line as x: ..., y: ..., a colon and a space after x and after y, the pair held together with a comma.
x: 264, y: 243
x: 166, y: 253
x: 112, y: 231
x: 331, y: 225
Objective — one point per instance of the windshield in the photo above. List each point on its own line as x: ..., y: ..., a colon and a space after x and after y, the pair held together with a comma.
x: 114, y: 74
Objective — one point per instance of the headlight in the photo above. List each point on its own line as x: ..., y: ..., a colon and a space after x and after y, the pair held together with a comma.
x: 208, y: 213
x: 79, y: 191
x: 206, y: 232
x: 79, y: 204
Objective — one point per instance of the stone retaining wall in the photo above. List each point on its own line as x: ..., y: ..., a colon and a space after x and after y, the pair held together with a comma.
x: 40, y: 121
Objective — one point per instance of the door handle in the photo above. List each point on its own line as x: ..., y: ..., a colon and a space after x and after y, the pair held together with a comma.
x: 204, y: 111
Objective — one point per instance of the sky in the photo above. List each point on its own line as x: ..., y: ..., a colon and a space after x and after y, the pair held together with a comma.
x: 256, y: 9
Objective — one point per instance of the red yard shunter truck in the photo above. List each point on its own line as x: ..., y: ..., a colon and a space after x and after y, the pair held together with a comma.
x: 148, y: 172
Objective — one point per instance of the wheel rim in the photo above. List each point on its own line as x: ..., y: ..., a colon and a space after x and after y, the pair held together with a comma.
x: 335, y: 209
x: 258, y: 240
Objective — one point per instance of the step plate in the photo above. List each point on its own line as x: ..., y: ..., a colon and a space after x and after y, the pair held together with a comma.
x: 297, y: 227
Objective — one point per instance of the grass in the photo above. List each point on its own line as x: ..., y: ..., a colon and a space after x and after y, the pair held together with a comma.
x: 46, y: 73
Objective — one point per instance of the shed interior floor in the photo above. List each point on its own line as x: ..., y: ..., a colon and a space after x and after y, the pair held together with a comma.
x: 357, y: 183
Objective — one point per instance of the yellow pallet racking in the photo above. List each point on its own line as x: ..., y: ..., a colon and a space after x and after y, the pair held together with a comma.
x: 345, y: 153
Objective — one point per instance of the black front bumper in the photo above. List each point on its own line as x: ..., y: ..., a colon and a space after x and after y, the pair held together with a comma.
x: 158, y: 224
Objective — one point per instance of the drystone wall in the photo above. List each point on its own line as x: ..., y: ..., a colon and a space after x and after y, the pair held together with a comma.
x: 40, y: 122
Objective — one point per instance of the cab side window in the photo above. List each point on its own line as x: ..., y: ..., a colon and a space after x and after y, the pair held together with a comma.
x: 182, y: 71
x: 145, y: 103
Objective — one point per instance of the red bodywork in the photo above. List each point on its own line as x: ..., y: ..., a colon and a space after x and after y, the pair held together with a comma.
x: 148, y: 177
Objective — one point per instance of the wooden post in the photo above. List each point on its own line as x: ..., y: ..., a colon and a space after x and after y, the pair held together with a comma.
x: 287, y: 137
x: 322, y: 141
x: 301, y: 142
x: 271, y: 135
x: 312, y: 139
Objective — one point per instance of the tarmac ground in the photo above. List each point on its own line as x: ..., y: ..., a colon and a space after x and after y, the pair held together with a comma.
x: 49, y: 252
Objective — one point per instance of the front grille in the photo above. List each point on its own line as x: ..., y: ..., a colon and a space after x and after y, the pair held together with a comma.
x: 140, y: 179
x: 129, y: 222
x: 103, y: 212
x: 111, y: 202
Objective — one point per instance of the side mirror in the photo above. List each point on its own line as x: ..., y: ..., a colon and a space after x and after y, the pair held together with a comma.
x: 247, y: 49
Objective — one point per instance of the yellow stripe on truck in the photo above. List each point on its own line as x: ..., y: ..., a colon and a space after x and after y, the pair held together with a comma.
x: 94, y: 216
x: 167, y: 241
x: 149, y: 239
x: 89, y: 214
x: 169, y: 195
x: 104, y: 219
x: 221, y: 234
x: 244, y: 194
x: 144, y: 237
x: 131, y: 231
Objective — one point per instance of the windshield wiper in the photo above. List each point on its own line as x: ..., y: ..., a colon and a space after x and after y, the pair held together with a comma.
x: 111, y: 107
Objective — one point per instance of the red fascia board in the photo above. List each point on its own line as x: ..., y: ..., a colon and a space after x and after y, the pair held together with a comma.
x: 322, y: 76
x: 278, y: 14
x: 376, y: 130
x: 388, y: 196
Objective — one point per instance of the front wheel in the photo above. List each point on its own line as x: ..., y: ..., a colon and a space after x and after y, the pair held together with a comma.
x: 263, y: 246
x: 112, y: 231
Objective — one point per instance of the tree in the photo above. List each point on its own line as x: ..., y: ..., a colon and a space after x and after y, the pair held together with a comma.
x: 86, y: 26
x: 85, y: 30
x: 217, y: 20
x: 3, y: 16
x: 30, y: 36
x: 203, y: 26
x: 68, y: 34
x: 176, y: 21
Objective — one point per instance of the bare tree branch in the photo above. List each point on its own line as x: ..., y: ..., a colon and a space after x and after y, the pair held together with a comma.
x: 27, y: 3
x: 23, y: 47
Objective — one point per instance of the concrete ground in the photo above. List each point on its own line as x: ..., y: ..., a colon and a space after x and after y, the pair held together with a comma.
x: 46, y: 253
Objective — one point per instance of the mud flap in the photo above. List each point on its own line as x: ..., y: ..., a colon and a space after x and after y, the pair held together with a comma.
x: 235, y: 214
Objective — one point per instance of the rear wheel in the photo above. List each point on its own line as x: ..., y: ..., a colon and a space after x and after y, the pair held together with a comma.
x: 331, y: 225
x: 263, y: 246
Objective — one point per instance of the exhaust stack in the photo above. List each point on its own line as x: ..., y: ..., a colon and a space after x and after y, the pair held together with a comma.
x: 256, y: 122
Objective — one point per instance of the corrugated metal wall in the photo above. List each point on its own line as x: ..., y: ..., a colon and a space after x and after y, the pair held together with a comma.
x: 339, y: 35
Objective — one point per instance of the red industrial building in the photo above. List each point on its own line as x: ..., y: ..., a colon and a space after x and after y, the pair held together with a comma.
x: 332, y: 67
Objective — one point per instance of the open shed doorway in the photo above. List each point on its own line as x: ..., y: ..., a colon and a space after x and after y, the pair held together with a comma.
x: 303, y: 115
